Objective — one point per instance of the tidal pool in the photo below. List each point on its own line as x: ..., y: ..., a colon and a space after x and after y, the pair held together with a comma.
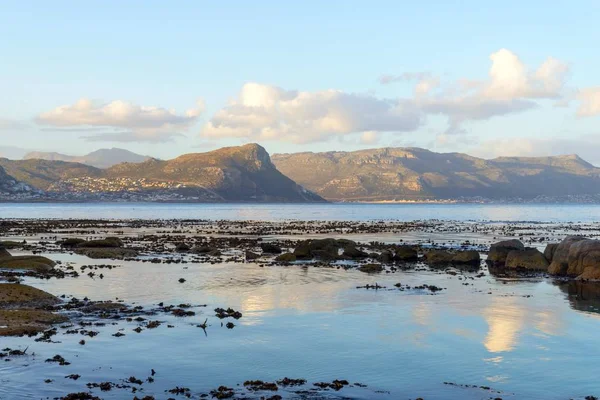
x: 511, y: 338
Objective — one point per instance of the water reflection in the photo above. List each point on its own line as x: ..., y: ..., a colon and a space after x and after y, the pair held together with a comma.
x: 505, y: 319
x: 582, y: 296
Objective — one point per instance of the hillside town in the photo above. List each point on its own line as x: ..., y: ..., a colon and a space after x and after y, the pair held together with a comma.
x: 89, y: 184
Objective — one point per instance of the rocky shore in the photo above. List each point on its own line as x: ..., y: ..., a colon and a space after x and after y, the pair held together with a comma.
x: 468, y: 252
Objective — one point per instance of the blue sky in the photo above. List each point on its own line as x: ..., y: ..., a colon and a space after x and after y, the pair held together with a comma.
x: 166, y: 78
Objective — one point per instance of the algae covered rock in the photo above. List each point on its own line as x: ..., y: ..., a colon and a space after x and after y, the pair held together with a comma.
x: 22, y: 310
x: 286, y: 257
x: 32, y: 263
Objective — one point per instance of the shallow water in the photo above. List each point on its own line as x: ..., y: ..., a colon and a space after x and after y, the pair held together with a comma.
x: 314, y: 323
x: 331, y: 211
x: 525, y: 339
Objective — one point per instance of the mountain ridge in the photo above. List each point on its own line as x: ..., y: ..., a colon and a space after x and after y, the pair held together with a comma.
x: 243, y: 173
x: 410, y: 173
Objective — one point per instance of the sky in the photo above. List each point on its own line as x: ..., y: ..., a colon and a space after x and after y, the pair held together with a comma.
x: 167, y: 78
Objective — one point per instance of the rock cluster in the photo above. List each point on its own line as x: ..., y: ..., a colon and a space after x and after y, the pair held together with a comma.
x: 575, y: 256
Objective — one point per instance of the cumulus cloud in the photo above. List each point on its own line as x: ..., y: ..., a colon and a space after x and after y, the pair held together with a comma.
x: 589, y: 102
x: 510, y: 88
x: 142, y: 123
x: 264, y: 112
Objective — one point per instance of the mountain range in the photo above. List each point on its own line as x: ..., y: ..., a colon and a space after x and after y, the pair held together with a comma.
x: 103, y: 158
x: 416, y: 174
x: 248, y: 174
x: 243, y: 173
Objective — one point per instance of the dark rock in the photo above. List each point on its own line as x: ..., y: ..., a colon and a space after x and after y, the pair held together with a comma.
x: 182, y: 247
x: 385, y: 257
x: 354, y: 253
x: 370, y: 268
x: 466, y: 257
x: 251, y: 256
x: 270, y: 248
x: 438, y: 257
x: 286, y: 257
x: 406, y: 253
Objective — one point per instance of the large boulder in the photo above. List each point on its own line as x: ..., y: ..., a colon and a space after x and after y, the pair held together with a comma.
x: 499, y: 251
x: 529, y: 258
x: 584, y: 259
x: 560, y: 255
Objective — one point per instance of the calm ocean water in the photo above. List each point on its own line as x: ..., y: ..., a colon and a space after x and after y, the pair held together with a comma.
x: 333, y: 211
x: 525, y: 339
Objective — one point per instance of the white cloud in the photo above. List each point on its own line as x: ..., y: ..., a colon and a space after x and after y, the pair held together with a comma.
x: 510, y: 88
x: 142, y: 123
x: 264, y: 112
x: 589, y: 102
